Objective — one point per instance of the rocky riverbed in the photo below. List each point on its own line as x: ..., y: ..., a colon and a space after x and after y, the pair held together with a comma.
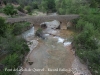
x: 52, y: 56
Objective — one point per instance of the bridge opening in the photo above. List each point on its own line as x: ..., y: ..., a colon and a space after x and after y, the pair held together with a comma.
x: 43, y: 26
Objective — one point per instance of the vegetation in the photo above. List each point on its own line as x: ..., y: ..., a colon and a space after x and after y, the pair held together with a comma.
x: 3, y: 26
x: 35, y: 5
x: 9, y: 10
x: 20, y: 8
x: 48, y: 5
x: 19, y: 28
x: 87, y: 27
x: 39, y: 33
x: 28, y: 8
x: 15, y: 47
x: 1, y: 10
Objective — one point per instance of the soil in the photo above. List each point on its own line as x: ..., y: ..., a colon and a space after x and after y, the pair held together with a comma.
x: 3, y: 15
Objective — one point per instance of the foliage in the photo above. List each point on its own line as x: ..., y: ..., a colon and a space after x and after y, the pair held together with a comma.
x: 70, y: 7
x: 11, y: 62
x: 48, y: 5
x: 5, y: 2
x: 35, y: 5
x: 94, y: 3
x: 85, y: 39
x: 87, y: 26
x: 20, y: 8
x: 2, y: 26
x: 1, y: 10
x: 19, y: 28
x: 15, y: 47
x: 9, y: 10
x: 12, y: 44
x: 39, y: 33
x: 28, y: 8
x: 86, y: 44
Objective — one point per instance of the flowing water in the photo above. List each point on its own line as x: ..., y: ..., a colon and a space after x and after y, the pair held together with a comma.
x: 52, y: 56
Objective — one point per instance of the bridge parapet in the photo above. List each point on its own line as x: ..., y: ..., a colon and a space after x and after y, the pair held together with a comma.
x: 36, y: 20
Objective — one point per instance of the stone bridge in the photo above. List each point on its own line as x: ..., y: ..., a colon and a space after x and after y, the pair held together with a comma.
x: 36, y: 20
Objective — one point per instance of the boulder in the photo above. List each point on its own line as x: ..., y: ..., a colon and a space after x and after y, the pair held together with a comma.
x: 51, y: 32
x: 63, y: 26
x: 69, y: 24
x: 51, y: 25
x: 32, y: 44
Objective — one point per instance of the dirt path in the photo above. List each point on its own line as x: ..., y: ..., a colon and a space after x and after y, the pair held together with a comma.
x: 3, y: 15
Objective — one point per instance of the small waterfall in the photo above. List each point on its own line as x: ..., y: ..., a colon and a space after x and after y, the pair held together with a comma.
x: 29, y: 33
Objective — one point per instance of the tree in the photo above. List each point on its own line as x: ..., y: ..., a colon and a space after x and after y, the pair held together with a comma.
x: 5, y: 2
x: 86, y: 39
x: 48, y: 5
x: 20, y: 8
x: 9, y: 10
x: 35, y: 5
x: 28, y: 8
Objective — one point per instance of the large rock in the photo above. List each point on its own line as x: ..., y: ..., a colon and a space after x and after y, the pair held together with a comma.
x: 51, y: 31
x: 32, y: 44
x: 51, y: 25
x: 65, y: 26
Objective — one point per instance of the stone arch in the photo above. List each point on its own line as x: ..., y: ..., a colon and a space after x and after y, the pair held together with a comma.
x: 43, y: 26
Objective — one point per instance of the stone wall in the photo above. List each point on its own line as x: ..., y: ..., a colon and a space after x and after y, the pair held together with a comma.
x: 37, y: 20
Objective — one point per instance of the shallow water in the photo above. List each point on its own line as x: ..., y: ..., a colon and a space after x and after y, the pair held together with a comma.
x: 28, y: 33
x: 60, y: 40
x: 67, y: 43
x: 54, y: 52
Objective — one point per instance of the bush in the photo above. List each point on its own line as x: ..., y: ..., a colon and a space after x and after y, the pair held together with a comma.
x: 86, y: 39
x: 1, y: 10
x: 48, y: 6
x: 35, y: 5
x: 28, y: 8
x: 39, y: 33
x: 14, y: 47
x: 11, y: 44
x: 9, y: 10
x: 20, y: 8
x: 10, y: 62
x: 86, y: 43
x: 3, y: 26
x: 19, y: 28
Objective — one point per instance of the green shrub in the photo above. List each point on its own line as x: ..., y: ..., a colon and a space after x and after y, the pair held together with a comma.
x: 20, y: 8
x: 3, y: 26
x: 12, y: 61
x: 28, y: 8
x: 1, y: 10
x: 9, y: 10
x: 16, y: 47
x: 48, y: 6
x: 86, y: 39
x: 19, y: 28
x: 35, y: 5
x: 12, y: 44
